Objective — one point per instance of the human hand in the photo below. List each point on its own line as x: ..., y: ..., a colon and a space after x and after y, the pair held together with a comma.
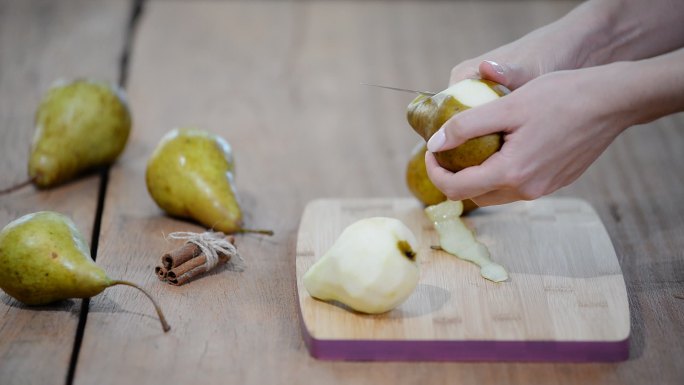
x: 516, y: 63
x: 554, y: 127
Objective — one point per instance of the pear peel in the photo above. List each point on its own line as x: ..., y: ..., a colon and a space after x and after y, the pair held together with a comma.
x: 457, y: 239
x: 44, y: 258
x: 371, y: 267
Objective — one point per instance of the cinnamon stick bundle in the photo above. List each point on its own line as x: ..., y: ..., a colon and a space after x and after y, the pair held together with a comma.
x: 187, y: 262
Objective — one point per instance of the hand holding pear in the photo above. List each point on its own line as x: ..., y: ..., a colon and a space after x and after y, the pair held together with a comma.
x: 44, y: 258
x: 426, y: 114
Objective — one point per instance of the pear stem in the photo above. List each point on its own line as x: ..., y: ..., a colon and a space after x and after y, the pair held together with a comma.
x: 255, y: 231
x: 162, y: 319
x: 16, y: 187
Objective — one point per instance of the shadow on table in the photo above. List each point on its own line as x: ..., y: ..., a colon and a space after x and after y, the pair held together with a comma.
x: 64, y: 305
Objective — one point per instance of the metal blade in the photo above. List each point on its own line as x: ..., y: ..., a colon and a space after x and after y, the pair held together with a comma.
x: 400, y: 89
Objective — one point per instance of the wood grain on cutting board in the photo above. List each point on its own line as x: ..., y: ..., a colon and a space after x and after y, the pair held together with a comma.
x: 565, y: 283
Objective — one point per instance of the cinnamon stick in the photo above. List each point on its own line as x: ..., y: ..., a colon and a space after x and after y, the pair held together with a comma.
x: 183, y: 264
x: 179, y: 256
x: 161, y: 272
x: 180, y: 274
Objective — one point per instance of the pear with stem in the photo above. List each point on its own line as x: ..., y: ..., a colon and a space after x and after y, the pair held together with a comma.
x: 79, y: 126
x: 191, y: 174
x: 44, y: 258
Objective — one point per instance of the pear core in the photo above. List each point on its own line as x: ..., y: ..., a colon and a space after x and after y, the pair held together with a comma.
x: 371, y: 267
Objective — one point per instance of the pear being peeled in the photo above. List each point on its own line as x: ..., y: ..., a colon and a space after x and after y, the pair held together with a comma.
x: 371, y: 267
x: 426, y: 114
x: 44, y: 258
x: 80, y: 125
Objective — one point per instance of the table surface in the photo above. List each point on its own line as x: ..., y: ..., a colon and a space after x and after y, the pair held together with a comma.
x: 280, y: 81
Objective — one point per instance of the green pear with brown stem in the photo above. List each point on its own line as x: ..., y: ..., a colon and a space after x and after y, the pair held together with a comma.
x: 420, y: 185
x: 191, y: 174
x: 44, y: 258
x: 426, y: 114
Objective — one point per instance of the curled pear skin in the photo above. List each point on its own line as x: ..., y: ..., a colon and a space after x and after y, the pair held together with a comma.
x: 426, y: 114
x: 80, y: 125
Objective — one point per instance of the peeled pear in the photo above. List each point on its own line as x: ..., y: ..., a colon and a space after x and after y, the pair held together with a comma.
x: 44, y: 258
x: 457, y: 239
x: 371, y: 267
x: 80, y: 125
x: 191, y: 174
x: 420, y: 185
x: 426, y: 114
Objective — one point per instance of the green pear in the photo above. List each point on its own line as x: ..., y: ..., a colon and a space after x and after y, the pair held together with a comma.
x: 420, y: 185
x: 80, y: 126
x: 191, y: 174
x: 417, y: 179
x: 371, y: 267
x: 426, y: 114
x: 44, y: 258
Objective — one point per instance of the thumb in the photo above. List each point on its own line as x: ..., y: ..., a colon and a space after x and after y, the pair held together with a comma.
x: 510, y: 75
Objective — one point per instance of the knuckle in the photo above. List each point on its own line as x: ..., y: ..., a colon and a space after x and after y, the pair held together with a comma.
x: 530, y: 193
x: 514, y: 178
x: 455, y: 133
x: 464, y: 70
x: 520, y: 181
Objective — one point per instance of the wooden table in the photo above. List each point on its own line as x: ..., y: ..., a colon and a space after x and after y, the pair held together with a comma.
x: 280, y: 81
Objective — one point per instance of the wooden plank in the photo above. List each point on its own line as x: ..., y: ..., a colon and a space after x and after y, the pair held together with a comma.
x: 565, y: 299
x: 636, y: 187
x: 41, y: 41
x: 280, y: 82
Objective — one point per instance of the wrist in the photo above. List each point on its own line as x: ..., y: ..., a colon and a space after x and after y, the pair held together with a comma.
x: 641, y: 91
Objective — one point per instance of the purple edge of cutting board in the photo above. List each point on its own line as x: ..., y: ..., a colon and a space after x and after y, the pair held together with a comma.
x: 427, y: 350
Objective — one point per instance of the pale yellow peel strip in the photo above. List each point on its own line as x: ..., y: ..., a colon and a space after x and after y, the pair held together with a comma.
x: 457, y: 239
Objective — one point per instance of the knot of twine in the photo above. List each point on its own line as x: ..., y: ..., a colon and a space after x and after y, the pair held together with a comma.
x: 211, y: 243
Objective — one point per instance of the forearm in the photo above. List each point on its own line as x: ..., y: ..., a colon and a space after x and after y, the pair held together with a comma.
x: 602, y: 31
x: 653, y: 87
x: 618, y: 30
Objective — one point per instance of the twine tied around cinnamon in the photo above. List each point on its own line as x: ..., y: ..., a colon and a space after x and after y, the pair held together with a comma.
x: 200, y: 253
x: 211, y: 243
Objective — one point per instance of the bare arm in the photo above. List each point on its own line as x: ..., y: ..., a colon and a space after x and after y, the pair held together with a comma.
x: 595, y: 33
x: 567, y: 105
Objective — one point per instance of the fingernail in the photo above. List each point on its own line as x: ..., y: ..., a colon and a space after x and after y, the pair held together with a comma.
x: 436, y: 141
x: 496, y: 66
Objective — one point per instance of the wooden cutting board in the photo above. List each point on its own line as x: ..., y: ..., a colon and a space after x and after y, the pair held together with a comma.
x: 565, y: 300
